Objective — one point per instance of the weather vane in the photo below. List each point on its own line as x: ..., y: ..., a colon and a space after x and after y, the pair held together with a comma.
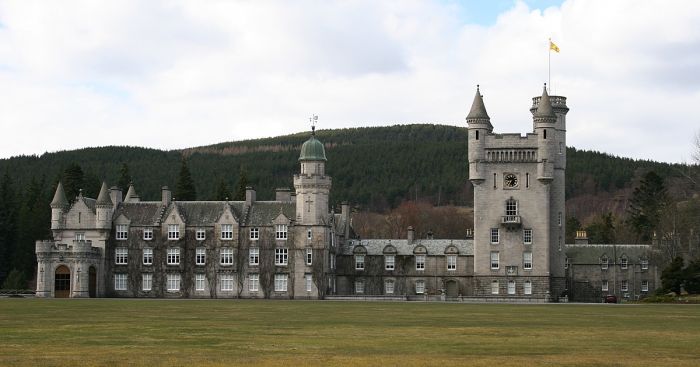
x: 313, y: 120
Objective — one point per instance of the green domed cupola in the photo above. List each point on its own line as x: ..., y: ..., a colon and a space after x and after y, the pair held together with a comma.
x: 312, y: 149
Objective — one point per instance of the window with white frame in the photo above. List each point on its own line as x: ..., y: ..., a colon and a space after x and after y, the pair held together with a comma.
x: 624, y: 286
x: 119, y: 282
x: 389, y: 286
x: 389, y: 262
x: 280, y: 282
x: 226, y: 282
x: 281, y: 256
x: 281, y: 231
x: 148, y: 234
x: 254, y: 233
x: 420, y: 286
x: 253, y: 282
x: 644, y: 264
x: 527, y: 287
x: 494, y: 235
x: 359, y: 287
x: 604, y: 285
x: 645, y: 286
x: 200, y: 257
x: 494, y: 287
x: 511, y: 287
x: 309, y: 256
x: 173, y: 282
x: 604, y: 263
x: 199, y: 280
x: 494, y: 260
x: 253, y: 256
x: 147, y: 256
x: 527, y: 260
x: 451, y: 262
x: 201, y: 234
x: 527, y: 236
x: 146, y: 281
x: 420, y: 262
x: 308, y: 279
x: 173, y: 256
x: 309, y: 235
x: 226, y: 256
x: 173, y: 232
x: 227, y: 231
x: 121, y: 256
x: 623, y: 263
x: 511, y: 207
x: 359, y: 262
x: 122, y: 231
x: 80, y: 236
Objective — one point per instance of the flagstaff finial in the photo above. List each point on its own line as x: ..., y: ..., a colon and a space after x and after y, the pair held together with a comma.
x: 313, y: 120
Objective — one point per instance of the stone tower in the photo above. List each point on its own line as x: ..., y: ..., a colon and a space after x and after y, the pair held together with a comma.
x: 519, y: 202
x: 311, y: 184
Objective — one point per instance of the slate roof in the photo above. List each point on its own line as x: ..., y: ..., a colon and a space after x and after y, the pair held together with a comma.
x: 103, y: 198
x: 204, y: 213
x: 145, y: 213
x: 478, y: 110
x: 262, y: 213
x: 434, y: 247
x: 90, y: 203
x: 544, y: 109
x: 59, y: 198
x: 591, y: 253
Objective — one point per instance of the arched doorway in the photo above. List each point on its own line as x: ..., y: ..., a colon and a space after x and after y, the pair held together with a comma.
x: 62, y: 282
x: 92, y: 282
x: 452, y: 288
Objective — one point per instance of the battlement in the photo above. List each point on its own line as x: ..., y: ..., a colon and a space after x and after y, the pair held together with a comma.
x: 511, y: 155
x: 76, y: 246
x: 558, y: 103
x: 515, y: 140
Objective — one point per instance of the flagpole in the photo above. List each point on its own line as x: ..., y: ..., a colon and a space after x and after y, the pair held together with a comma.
x: 549, y: 65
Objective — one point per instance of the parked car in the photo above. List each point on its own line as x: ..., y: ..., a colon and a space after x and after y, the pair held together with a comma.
x: 610, y: 298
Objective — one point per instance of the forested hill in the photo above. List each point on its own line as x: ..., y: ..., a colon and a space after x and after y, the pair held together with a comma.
x: 374, y: 167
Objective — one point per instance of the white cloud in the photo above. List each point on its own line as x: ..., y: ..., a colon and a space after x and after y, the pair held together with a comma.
x: 181, y: 74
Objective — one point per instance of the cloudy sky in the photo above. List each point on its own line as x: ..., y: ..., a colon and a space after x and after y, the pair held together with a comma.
x: 176, y: 74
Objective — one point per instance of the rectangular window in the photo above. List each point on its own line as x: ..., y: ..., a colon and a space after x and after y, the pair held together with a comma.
x: 527, y: 236
x: 359, y: 262
x: 604, y: 286
x: 389, y: 287
x: 80, y: 236
x: 308, y: 234
x: 645, y: 286
x: 173, y: 232
x: 511, y: 207
x: 494, y: 259
x: 146, y: 281
x: 253, y: 282
x: 309, y: 282
x: 200, y: 257
x: 199, y: 280
x: 527, y: 260
x: 645, y: 264
x: 254, y: 234
x: 604, y: 263
x: 494, y: 235
x: 147, y: 256
x: 173, y: 283
x: 201, y: 234
x: 227, y: 231
x: 623, y: 263
x: 420, y: 286
x: 173, y: 256
x: 281, y: 231
x: 494, y: 287
x: 420, y: 262
x: 226, y: 282
x: 309, y: 256
x: 452, y: 262
x: 280, y: 282
x: 624, y: 286
x: 254, y: 256
x: 511, y: 287
x: 281, y: 257
x: 359, y: 287
x: 389, y: 262
x: 122, y: 231
x: 148, y: 234
x: 119, y: 282
x: 120, y: 255
x: 226, y: 256
x: 527, y: 288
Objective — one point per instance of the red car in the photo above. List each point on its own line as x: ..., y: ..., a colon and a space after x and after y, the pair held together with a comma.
x: 610, y: 298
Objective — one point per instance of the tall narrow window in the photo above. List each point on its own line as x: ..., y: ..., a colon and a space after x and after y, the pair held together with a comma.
x: 527, y: 180
x: 199, y: 282
x: 604, y: 263
x: 511, y: 207
x: 309, y: 282
x: 477, y: 135
x: 147, y: 256
x: 359, y: 287
x: 420, y: 262
x: 545, y: 134
x: 527, y: 260
x: 253, y: 282
x: 389, y: 262
x: 309, y: 256
x: 451, y: 262
x: 146, y: 281
x: 645, y: 286
x: 494, y: 180
x: 527, y: 288
x: 561, y: 148
x: 623, y: 263
x: 494, y: 260
x: 494, y: 287
x: 420, y: 286
x: 119, y: 282
x: 359, y: 262
x: 527, y: 236
x: 494, y: 235
x: 511, y: 287
x: 644, y: 264
x: 389, y: 286
x: 624, y: 286
x: 308, y: 234
x: 254, y: 256
x: 200, y: 256
x: 559, y: 219
x: 604, y: 285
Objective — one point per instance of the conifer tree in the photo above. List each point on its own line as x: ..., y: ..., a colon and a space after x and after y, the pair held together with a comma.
x: 124, y: 178
x: 7, y: 223
x: 241, y: 185
x: 73, y: 181
x: 184, y: 189
x: 647, y: 203
x: 222, y: 191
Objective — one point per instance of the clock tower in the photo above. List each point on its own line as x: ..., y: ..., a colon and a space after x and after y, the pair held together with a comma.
x: 519, y: 202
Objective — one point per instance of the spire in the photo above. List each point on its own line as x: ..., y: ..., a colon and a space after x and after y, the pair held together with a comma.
x: 544, y: 109
x: 103, y: 198
x: 59, y: 198
x: 131, y: 193
x: 478, y: 110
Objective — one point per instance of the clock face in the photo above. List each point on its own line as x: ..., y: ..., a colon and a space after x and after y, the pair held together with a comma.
x: 511, y: 180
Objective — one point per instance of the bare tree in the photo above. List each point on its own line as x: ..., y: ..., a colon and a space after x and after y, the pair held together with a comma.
x: 696, y: 148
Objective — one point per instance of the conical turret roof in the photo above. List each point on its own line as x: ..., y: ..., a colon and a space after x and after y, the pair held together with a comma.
x: 544, y: 109
x: 478, y: 110
x: 131, y: 193
x: 103, y: 198
x: 59, y: 198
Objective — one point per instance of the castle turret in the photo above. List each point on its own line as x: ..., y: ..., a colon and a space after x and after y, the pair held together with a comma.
x: 131, y: 195
x: 479, y: 125
x: 544, y: 121
x: 59, y: 205
x: 104, y: 208
x: 312, y: 185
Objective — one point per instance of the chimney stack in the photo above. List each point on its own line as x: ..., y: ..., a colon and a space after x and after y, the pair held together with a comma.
x: 249, y: 196
x: 166, y: 195
x: 410, y: 235
x: 115, y: 194
x: 283, y: 194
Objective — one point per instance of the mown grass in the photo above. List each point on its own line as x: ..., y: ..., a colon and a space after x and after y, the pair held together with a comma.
x: 115, y: 332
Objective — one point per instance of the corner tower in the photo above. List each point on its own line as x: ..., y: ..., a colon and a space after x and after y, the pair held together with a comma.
x: 311, y: 184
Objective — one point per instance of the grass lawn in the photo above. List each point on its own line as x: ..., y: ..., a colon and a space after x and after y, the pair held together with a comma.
x: 115, y: 332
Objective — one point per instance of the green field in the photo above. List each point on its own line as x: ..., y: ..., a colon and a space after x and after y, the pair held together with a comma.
x: 116, y: 332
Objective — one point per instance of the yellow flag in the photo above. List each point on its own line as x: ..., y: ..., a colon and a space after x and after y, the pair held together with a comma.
x: 552, y: 46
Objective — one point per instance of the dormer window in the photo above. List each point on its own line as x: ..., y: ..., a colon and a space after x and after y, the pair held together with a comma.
x: 623, y: 262
x: 80, y: 236
x: 201, y: 234
x: 604, y: 263
x: 226, y: 231
x: 173, y: 232
x: 122, y: 231
x: 148, y: 234
x: 281, y: 231
x: 254, y: 233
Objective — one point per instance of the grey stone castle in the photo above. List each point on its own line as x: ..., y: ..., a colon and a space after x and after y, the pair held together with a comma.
x: 295, y: 247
